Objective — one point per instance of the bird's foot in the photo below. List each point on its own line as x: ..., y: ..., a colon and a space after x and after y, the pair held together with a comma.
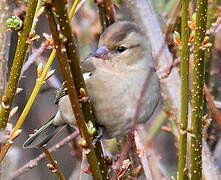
x: 99, y: 135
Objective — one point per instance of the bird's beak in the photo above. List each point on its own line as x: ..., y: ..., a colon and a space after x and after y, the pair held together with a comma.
x: 102, y: 53
x: 87, y: 64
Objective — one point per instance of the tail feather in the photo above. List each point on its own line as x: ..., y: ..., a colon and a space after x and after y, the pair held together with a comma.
x: 43, y: 135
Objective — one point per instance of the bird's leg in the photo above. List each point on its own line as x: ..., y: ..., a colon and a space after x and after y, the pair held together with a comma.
x: 99, y: 135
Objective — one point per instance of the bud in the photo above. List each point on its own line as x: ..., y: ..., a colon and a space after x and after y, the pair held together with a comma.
x: 90, y: 128
x: 176, y: 38
x: 83, y: 143
x: 40, y: 69
x: 205, y: 44
x: 14, y: 22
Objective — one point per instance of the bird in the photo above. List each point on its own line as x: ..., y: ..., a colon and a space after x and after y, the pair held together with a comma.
x: 116, y: 72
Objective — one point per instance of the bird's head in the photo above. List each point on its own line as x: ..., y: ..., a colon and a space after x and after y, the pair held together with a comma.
x: 123, y: 42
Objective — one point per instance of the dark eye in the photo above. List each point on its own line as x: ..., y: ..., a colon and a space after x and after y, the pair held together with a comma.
x: 120, y: 49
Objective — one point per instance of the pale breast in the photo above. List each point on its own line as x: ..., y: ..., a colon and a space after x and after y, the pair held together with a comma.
x: 114, y: 96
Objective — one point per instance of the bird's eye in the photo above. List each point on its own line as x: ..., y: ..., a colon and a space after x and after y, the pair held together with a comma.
x: 120, y: 49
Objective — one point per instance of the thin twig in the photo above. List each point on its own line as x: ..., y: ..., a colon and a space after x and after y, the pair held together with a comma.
x: 150, y: 161
x: 5, y: 11
x: 53, y: 164
x: 130, y: 137
x: 108, y: 6
x: 34, y: 162
x: 215, y: 112
x: 212, y: 8
x: 34, y: 56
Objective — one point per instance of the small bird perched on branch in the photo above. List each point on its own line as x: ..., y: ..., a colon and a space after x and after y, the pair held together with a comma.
x: 117, y: 71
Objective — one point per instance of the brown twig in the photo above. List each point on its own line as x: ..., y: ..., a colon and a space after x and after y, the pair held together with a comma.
x: 148, y: 19
x: 148, y: 157
x: 34, y: 56
x: 130, y: 137
x: 215, y: 112
x: 34, y: 162
x: 108, y: 6
x: 106, y: 13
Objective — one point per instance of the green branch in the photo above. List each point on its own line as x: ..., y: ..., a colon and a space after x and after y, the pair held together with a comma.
x: 53, y: 164
x: 184, y: 71
x: 20, y: 53
x: 76, y: 85
x: 197, y: 91
x: 74, y: 63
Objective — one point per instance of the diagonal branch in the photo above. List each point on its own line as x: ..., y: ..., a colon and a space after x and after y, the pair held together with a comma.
x: 34, y: 162
x: 74, y: 82
x: 20, y: 53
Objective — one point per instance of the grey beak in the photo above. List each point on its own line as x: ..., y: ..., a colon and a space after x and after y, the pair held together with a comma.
x: 102, y: 52
x: 87, y: 64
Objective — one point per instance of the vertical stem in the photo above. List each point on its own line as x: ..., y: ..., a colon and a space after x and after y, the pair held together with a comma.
x: 209, y: 52
x: 54, y: 165
x: 197, y: 91
x: 106, y: 13
x: 184, y: 70
x: 72, y: 53
x: 108, y: 6
x: 5, y: 11
x: 96, y: 166
x: 20, y: 53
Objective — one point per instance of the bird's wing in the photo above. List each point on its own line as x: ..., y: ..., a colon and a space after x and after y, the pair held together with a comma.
x: 61, y: 93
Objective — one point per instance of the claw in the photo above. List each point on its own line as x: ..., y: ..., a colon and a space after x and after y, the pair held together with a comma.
x: 99, y: 135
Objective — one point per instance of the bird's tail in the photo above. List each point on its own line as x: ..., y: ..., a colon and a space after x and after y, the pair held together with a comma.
x: 43, y: 135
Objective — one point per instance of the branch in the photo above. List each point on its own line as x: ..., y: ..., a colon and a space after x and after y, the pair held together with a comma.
x: 72, y: 70
x: 20, y: 53
x: 106, y: 13
x: 53, y: 164
x: 5, y: 11
x: 32, y: 98
x: 212, y: 8
x: 184, y: 71
x: 144, y: 15
x: 197, y: 91
x: 215, y: 112
x: 34, y: 162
